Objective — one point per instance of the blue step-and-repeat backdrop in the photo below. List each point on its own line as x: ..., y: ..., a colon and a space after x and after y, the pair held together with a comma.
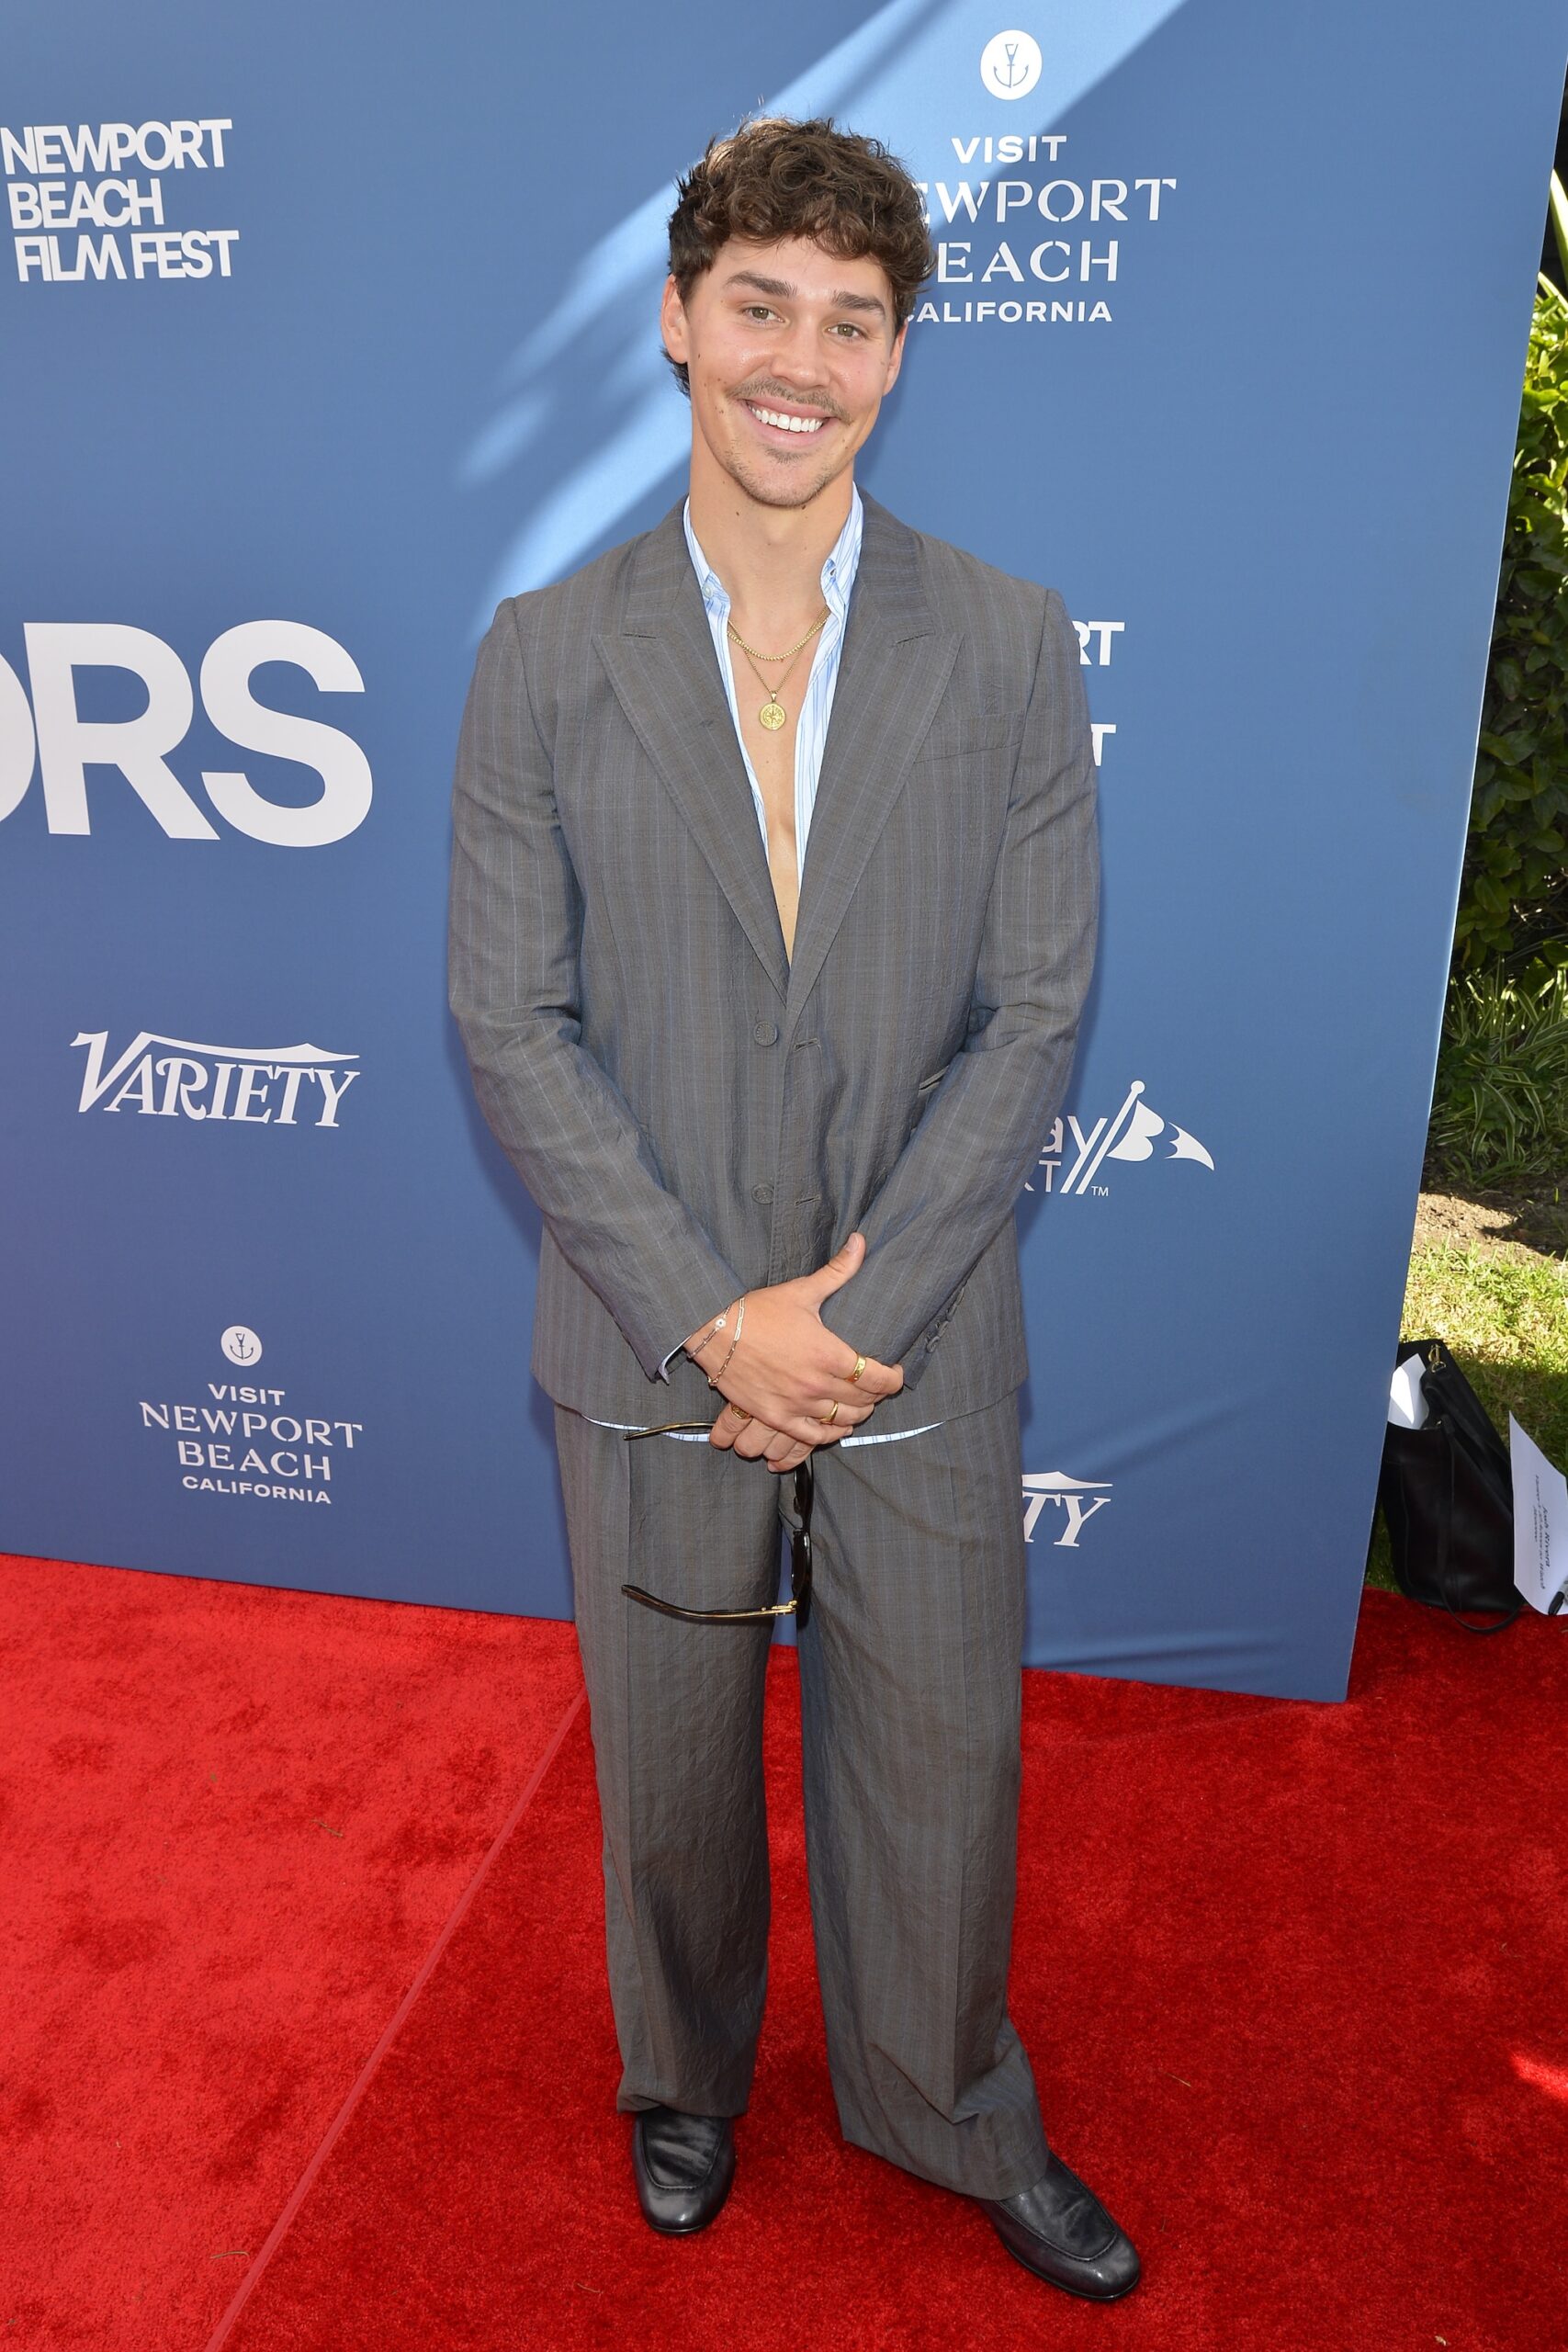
x: 326, y: 326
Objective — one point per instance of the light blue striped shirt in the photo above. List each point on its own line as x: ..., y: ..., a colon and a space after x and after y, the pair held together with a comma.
x: 810, y: 737
x: 811, y: 727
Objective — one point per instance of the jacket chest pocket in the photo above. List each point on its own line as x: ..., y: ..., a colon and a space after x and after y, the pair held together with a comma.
x: 966, y: 735
x: 947, y: 828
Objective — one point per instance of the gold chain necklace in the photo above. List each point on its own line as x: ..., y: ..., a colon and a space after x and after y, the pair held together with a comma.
x: 772, y: 714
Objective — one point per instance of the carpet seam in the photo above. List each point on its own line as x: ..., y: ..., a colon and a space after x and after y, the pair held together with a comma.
x: 390, y: 2032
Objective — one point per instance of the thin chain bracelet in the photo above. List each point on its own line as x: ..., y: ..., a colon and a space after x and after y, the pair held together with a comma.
x: 720, y: 1323
x: 714, y: 1377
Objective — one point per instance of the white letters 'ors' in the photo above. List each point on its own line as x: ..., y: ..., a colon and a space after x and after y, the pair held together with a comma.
x: 66, y: 744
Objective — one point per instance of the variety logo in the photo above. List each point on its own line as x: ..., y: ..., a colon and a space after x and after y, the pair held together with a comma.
x: 1130, y: 1133
x: 280, y: 1086
x: 239, y: 1442
x: 1009, y: 65
x: 1077, y: 1499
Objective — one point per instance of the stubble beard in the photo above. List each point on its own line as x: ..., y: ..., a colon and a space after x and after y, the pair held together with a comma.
x: 770, y: 486
x: 793, y: 490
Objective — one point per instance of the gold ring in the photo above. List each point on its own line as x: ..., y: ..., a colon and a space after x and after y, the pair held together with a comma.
x: 741, y: 1416
x: 859, y: 1367
x: 830, y: 1417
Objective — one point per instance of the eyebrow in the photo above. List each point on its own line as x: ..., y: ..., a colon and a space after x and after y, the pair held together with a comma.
x: 839, y: 298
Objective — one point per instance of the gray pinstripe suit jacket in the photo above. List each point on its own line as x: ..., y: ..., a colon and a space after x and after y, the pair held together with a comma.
x: 696, y: 1114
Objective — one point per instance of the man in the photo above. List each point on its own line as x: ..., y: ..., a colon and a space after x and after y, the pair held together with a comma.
x: 774, y: 908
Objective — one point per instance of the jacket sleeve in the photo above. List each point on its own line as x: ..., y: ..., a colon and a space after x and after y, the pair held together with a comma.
x: 961, y: 1172
x: 515, y: 926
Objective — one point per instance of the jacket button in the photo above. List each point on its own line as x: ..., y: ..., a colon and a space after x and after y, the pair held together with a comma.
x: 762, y: 1192
x: 765, y: 1033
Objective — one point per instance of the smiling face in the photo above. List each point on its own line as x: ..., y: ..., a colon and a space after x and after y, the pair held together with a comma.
x: 789, y: 351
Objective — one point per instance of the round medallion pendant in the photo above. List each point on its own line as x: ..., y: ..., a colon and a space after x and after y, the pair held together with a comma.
x: 773, y: 715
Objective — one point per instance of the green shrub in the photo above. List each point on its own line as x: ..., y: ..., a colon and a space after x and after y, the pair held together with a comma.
x: 1514, y: 898
x: 1500, y: 1104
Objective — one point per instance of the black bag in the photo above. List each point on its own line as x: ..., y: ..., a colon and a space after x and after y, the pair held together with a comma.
x: 1447, y: 1493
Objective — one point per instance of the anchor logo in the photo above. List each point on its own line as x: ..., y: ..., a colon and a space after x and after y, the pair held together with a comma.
x: 1009, y: 64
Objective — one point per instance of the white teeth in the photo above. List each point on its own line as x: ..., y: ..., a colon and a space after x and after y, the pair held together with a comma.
x: 790, y: 423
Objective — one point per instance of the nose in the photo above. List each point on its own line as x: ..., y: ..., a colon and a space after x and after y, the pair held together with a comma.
x: 796, y: 356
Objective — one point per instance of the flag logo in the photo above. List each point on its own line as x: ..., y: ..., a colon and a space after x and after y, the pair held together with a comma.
x: 1074, y: 1158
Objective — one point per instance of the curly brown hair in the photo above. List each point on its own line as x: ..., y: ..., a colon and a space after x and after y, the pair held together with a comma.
x: 774, y: 177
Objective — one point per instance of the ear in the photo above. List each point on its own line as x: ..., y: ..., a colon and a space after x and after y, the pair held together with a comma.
x: 895, y: 358
x: 672, y: 320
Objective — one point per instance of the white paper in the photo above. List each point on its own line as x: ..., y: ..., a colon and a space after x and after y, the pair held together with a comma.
x: 1406, y: 1405
x: 1541, y: 1522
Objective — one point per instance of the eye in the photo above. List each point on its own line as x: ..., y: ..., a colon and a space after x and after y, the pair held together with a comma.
x: 749, y: 310
x: 852, y: 328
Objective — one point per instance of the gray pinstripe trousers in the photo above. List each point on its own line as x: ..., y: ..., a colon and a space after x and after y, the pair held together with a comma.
x: 911, y: 1691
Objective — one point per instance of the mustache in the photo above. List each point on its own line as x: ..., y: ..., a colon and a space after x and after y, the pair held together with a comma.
x: 766, y: 395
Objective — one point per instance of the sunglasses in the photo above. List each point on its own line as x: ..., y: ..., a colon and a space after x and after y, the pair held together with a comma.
x: 798, y: 1606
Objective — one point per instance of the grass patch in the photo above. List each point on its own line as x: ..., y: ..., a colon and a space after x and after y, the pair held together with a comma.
x: 1503, y: 1310
x: 1500, y: 1107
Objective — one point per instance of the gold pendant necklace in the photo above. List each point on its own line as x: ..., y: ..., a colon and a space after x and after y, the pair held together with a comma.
x: 772, y: 714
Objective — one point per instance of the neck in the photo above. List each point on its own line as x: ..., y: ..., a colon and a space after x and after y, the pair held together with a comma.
x: 769, y: 558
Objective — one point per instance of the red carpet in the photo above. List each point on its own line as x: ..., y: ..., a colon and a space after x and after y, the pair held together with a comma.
x: 234, y: 1822
x: 1292, y: 1977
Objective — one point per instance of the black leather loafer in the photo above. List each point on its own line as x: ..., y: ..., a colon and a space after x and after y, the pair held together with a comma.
x: 684, y: 2164
x: 1060, y: 2230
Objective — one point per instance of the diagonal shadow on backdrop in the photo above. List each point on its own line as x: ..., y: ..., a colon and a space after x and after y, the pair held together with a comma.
x: 588, y: 421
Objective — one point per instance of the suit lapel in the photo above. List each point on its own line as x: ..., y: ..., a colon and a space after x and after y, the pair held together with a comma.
x: 892, y: 673
x: 895, y: 665
x: 665, y: 673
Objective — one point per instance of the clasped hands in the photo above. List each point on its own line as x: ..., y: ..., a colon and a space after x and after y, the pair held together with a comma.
x: 787, y: 1370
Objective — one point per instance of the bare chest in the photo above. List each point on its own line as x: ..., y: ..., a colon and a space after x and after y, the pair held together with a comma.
x: 771, y: 744
x: 771, y: 751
